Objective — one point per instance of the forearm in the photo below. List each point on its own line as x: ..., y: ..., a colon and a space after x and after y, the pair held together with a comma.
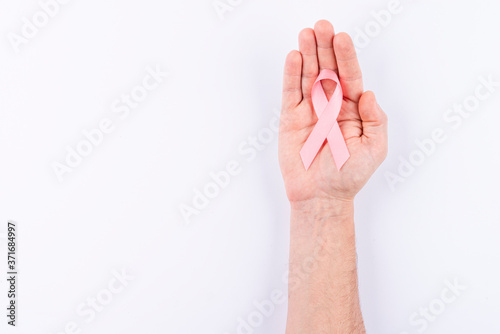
x: 323, y: 290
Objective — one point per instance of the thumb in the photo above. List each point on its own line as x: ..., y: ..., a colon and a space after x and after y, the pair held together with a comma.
x: 373, y: 118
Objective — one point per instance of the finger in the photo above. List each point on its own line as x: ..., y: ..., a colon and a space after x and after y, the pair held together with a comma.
x: 349, y: 71
x: 326, y: 57
x: 292, y: 91
x: 373, y: 118
x: 307, y: 47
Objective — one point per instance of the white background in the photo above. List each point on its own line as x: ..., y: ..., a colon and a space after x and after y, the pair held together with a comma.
x: 120, y: 208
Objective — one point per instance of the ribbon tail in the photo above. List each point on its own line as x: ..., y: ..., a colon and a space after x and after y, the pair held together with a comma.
x: 309, y: 151
x: 338, y: 146
x: 317, y: 137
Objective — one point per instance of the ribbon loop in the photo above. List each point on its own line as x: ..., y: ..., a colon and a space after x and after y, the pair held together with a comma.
x: 327, y: 127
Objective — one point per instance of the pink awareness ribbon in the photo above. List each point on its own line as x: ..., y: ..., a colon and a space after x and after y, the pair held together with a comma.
x: 327, y: 126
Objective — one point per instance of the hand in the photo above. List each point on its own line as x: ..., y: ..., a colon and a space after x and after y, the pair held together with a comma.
x: 361, y: 120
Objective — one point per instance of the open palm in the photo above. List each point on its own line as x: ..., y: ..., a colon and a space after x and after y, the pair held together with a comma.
x: 361, y: 120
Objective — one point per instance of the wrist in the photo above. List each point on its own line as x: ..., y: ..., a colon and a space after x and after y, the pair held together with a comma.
x: 320, y: 209
x: 323, y: 224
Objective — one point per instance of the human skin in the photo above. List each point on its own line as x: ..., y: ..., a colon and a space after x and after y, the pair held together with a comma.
x: 323, y: 290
